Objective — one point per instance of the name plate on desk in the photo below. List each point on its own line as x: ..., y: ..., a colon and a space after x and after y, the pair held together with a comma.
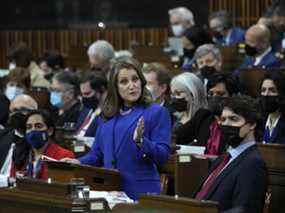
x: 184, y: 158
x: 97, y: 178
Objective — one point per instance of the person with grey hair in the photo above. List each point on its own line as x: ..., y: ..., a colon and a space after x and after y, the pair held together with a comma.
x: 180, y: 19
x: 195, y: 123
x: 222, y: 29
x: 208, y: 60
x: 100, y: 54
x: 64, y: 98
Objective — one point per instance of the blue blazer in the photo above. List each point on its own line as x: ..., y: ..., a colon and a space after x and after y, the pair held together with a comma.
x: 114, y: 147
x: 268, y: 61
x: 242, y: 185
x: 236, y: 37
x: 91, y: 131
x: 278, y: 134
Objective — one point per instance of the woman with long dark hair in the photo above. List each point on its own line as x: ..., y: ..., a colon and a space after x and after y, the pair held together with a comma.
x: 136, y: 135
x: 272, y: 96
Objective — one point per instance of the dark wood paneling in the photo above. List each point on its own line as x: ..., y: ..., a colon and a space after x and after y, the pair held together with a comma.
x: 244, y: 12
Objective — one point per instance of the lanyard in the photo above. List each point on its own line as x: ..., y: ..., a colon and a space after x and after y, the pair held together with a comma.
x: 35, y: 171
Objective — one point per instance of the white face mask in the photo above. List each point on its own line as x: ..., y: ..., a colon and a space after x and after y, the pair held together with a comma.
x: 12, y: 92
x: 177, y: 29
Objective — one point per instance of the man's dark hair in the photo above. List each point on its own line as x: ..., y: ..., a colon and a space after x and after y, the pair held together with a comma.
x: 54, y: 60
x: 279, y: 10
x: 21, y: 54
x: 224, y: 17
x: 70, y: 79
x: 198, y: 36
x: 162, y: 74
x: 231, y: 83
x: 248, y: 108
x: 98, y: 81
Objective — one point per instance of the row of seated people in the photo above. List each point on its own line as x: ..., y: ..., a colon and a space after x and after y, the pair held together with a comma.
x: 134, y: 133
x: 263, y: 42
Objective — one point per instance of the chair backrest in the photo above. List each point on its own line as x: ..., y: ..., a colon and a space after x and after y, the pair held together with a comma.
x: 41, y: 96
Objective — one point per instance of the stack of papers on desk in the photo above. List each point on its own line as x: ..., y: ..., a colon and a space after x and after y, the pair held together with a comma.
x: 4, y: 72
x: 113, y: 197
x: 185, y: 150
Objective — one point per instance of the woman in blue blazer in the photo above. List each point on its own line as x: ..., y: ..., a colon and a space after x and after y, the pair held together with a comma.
x: 135, y: 138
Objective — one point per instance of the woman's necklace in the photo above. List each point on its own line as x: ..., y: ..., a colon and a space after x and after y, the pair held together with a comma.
x: 126, y: 111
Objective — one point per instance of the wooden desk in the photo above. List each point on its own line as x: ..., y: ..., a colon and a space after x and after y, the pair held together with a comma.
x: 187, y: 171
x: 274, y: 157
x: 167, y: 204
x: 250, y: 79
x: 99, y: 179
x: 35, y: 196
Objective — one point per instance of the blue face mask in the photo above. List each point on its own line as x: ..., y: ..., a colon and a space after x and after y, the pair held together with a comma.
x: 12, y: 92
x: 56, y: 99
x: 37, y: 139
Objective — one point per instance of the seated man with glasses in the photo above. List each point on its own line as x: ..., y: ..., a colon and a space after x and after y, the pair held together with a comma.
x: 64, y: 97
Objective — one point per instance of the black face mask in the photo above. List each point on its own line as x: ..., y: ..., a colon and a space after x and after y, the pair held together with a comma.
x: 96, y: 68
x: 215, y: 104
x: 207, y: 71
x: 17, y: 121
x: 231, y: 135
x: 250, y: 51
x: 49, y: 76
x: 217, y: 35
x: 270, y: 103
x: 91, y: 103
x: 189, y: 53
x: 179, y: 104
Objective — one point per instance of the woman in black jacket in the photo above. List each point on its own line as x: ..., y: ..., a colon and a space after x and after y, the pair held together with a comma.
x: 195, y: 124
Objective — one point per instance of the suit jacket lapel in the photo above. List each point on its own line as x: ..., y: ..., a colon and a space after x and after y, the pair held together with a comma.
x: 265, y: 59
x: 277, y: 130
x: 227, y: 171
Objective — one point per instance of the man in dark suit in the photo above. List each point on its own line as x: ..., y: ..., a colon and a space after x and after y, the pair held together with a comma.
x: 12, y: 144
x: 93, y: 89
x: 224, y: 33
x: 64, y: 99
x: 4, y: 110
x: 238, y: 179
x: 258, y: 49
